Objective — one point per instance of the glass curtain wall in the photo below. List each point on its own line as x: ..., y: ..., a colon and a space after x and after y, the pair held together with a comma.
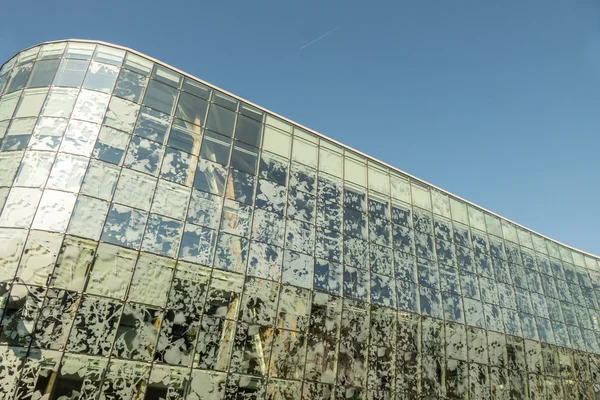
x: 161, y: 239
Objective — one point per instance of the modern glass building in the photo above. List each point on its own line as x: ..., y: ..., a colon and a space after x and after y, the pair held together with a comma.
x: 163, y: 239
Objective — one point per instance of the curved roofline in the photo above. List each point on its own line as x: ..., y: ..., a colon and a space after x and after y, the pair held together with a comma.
x: 320, y: 135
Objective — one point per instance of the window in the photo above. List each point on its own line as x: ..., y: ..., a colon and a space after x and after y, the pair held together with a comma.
x: 124, y: 226
x: 43, y: 73
x: 160, y: 97
x: 71, y: 73
x: 192, y: 109
x: 19, y: 77
x: 101, y: 77
x: 215, y: 148
x: 185, y: 136
x: 221, y: 120
x: 31, y: 103
x: 248, y: 130
x: 130, y: 85
x: 244, y: 158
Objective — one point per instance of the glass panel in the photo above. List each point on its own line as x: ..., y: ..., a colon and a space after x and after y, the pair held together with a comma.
x: 178, y: 167
x: 109, y: 55
x: 171, y: 200
x: 248, y: 130
x: 185, y: 136
x: 43, y: 73
x: 3, y: 128
x: 80, y: 50
x: 19, y: 77
x: 101, y: 77
x: 138, y: 64
x: 3, y: 81
x: 298, y: 269
x: 90, y: 106
x: 169, y: 380
x: 421, y: 196
x: 88, y: 217
x: 167, y: 76
x: 60, y: 102
x: 22, y: 308
x: 197, y: 244
x: 100, y: 180
x: 3, y: 195
x: 221, y: 120
x: 192, y: 109
x: 79, y: 374
x: 52, y: 50
x: 244, y: 158
x: 130, y: 85
x: 35, y: 169
x: 95, y: 326
x: 251, y: 112
x: 273, y: 168
x: 330, y: 162
x: 210, y: 177
x: 153, y: 125
x: 74, y: 262
x: 236, y: 218
x: 8, y: 103
x: 14, y: 242
x: 196, y: 88
x: 204, y: 209
x: 9, y: 163
x: 111, y: 145
x: 459, y: 211
x: 39, y: 257
x: 304, y: 152
x: 378, y: 180
x: 54, y: 211
x: 224, y: 100
x: 31, y: 103
x: 355, y: 171
x: 124, y: 226
x: 240, y: 187
x: 121, y: 114
x: 232, y: 253
x: 70, y: 73
x: 20, y: 207
x: 18, y: 134
x: 54, y: 323
x: 67, y: 173
x: 144, y: 155
x: 137, y: 333
x: 160, y: 97
x: 27, y: 55
x: 215, y: 148
x: 48, y: 133
x: 162, y: 235
x: 151, y: 280
x: 80, y: 137
x: 112, y: 271
x: 135, y: 189
x: 125, y: 378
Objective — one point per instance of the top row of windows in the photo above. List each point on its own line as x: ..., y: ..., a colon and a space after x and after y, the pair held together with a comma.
x: 133, y: 62
x: 307, y: 148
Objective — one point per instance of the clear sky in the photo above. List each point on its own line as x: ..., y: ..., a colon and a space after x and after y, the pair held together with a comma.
x: 496, y: 101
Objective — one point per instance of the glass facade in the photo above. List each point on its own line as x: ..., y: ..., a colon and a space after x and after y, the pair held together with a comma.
x: 162, y: 239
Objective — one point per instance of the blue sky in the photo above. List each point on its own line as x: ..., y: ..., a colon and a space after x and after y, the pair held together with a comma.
x: 497, y: 102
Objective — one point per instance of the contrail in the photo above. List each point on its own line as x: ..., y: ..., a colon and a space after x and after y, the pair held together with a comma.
x: 320, y: 37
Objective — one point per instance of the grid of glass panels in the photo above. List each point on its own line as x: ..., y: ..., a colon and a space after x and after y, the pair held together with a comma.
x: 161, y: 239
